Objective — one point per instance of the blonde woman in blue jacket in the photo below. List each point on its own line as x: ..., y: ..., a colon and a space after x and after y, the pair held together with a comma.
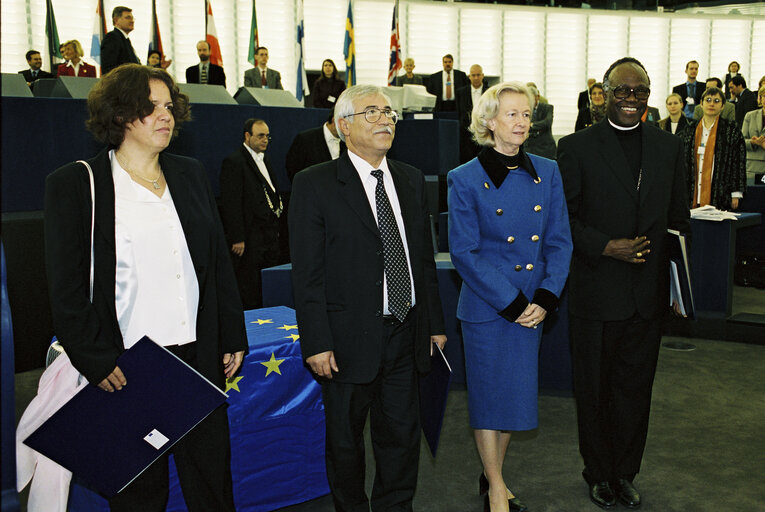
x: 510, y: 242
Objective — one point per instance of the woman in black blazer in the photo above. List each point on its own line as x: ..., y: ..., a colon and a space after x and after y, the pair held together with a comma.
x: 327, y: 87
x: 161, y: 268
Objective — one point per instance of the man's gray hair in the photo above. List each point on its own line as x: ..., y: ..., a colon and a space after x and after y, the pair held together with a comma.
x: 488, y: 107
x: 344, y: 105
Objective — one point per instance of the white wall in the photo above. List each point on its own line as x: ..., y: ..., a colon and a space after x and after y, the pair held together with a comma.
x: 556, y: 48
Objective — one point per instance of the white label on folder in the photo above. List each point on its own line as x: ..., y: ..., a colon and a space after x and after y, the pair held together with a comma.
x: 156, y: 439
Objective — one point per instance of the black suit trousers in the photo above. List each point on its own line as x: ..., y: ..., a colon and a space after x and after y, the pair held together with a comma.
x: 614, y: 364
x: 202, y: 458
x: 392, y: 402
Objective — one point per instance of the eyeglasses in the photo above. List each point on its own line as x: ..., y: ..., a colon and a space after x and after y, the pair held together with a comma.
x: 373, y: 114
x: 623, y: 92
x: 710, y: 99
x: 262, y: 136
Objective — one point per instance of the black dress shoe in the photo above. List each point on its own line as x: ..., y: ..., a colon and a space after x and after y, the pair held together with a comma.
x: 626, y: 493
x: 514, y: 503
x: 602, y: 495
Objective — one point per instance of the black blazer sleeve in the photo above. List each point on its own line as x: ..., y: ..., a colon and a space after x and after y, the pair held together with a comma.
x: 89, y: 343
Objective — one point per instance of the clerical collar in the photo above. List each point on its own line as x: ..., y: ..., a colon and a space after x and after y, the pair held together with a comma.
x: 623, y: 128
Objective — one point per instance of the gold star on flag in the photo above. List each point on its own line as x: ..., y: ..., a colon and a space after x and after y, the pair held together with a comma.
x: 233, y: 383
x: 287, y: 327
x: 261, y: 322
x: 273, y: 365
x: 294, y: 337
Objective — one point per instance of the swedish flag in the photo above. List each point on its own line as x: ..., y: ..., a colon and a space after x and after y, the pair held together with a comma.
x: 349, y: 49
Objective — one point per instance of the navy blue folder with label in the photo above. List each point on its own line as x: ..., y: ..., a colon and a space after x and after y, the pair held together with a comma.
x: 108, y: 439
x: 434, y: 388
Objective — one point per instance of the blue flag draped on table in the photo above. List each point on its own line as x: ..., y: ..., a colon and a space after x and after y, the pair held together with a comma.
x: 349, y: 48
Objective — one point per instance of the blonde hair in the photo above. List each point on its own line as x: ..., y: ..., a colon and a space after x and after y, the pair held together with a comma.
x: 488, y: 107
x: 674, y: 95
x: 77, y: 47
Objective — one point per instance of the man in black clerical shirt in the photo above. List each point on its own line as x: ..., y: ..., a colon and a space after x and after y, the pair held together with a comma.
x: 625, y: 184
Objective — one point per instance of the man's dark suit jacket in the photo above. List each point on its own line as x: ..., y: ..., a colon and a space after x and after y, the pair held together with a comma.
x: 337, y: 266
x: 246, y: 214
x: 116, y: 49
x: 308, y: 148
x: 90, y: 333
x: 604, y: 204
x: 745, y: 102
x: 436, y: 85
x: 583, y: 100
x: 27, y: 73
x: 468, y: 148
x: 540, y: 141
x: 682, y: 90
x: 215, y: 75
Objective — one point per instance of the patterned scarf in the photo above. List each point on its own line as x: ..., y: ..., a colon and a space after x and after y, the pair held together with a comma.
x: 705, y: 197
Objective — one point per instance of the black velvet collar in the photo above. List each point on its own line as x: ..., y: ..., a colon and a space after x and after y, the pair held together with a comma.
x: 496, y: 164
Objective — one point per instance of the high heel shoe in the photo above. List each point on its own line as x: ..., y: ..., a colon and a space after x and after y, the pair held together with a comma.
x: 514, y: 503
x: 483, y: 484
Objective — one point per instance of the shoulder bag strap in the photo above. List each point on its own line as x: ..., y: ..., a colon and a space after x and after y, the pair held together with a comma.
x: 92, y: 220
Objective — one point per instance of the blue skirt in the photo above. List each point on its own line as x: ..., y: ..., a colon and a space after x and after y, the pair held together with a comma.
x: 501, y: 364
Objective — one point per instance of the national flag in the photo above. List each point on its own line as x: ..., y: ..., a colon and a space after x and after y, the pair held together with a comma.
x: 155, y: 41
x: 302, y: 79
x: 254, y: 43
x: 395, y: 48
x: 51, y: 31
x: 212, y: 38
x: 349, y: 48
x: 99, y: 31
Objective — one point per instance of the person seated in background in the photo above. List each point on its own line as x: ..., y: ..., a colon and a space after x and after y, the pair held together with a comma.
x: 753, y: 131
x: 733, y: 69
x: 540, y: 141
x: 34, y: 72
x: 155, y: 59
x: 327, y: 87
x: 746, y: 101
x: 676, y: 122
x: 74, y: 65
x: 314, y: 146
x: 262, y: 76
x: 584, y: 96
x: 729, y: 109
x: 595, y: 110
x: 205, y: 72
x: 715, y: 156
x: 409, y: 77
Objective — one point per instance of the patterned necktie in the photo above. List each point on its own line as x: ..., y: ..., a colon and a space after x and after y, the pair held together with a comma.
x: 263, y: 78
x: 396, y: 268
x: 203, y: 76
x: 448, y: 85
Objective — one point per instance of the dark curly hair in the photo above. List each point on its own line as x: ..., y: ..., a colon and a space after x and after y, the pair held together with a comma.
x: 122, y: 96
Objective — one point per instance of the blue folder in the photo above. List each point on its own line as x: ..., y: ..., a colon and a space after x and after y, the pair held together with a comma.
x: 108, y: 439
x: 434, y: 389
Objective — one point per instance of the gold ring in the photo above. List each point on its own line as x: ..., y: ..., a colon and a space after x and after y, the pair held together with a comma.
x: 639, y: 255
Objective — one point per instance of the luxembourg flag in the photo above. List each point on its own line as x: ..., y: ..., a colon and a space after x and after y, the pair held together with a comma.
x: 99, y: 30
x: 212, y: 38
x: 395, y: 49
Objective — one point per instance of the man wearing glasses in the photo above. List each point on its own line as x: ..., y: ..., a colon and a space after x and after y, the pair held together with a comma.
x: 251, y: 211
x: 625, y: 184
x: 367, y: 301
